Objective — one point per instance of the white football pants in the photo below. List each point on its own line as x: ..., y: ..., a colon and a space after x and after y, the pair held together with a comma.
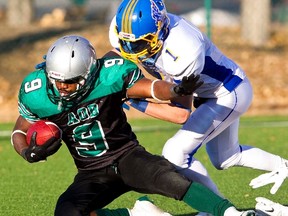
x: 215, y: 123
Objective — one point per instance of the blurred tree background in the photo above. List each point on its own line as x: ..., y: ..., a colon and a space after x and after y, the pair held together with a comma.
x: 253, y: 33
x: 256, y: 15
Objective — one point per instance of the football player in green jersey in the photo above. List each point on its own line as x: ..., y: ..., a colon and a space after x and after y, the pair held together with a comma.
x: 84, y: 97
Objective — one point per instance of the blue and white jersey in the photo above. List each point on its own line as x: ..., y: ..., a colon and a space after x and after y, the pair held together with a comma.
x: 187, y: 50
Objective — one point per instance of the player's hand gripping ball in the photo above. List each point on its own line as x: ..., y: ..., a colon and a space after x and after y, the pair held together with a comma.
x: 44, y: 139
x: 45, y: 131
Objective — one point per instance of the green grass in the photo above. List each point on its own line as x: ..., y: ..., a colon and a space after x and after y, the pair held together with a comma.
x: 32, y: 189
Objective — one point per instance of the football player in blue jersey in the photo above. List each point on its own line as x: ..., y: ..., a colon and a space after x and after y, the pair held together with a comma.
x: 169, y: 48
x: 84, y: 95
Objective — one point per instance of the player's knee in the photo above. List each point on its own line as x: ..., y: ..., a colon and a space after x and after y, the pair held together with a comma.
x: 218, y: 166
x: 168, y: 149
x: 178, y: 183
x: 226, y: 164
x: 217, y: 163
x: 173, y: 153
x: 64, y: 208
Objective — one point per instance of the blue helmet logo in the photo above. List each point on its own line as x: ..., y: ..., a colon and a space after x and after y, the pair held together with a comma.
x: 155, y: 12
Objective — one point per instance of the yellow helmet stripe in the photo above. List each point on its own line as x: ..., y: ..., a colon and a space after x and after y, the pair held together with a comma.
x: 128, y: 15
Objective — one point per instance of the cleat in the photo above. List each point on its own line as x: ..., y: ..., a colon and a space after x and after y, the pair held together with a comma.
x: 249, y: 213
x: 266, y: 207
x: 145, y: 207
x: 203, y: 214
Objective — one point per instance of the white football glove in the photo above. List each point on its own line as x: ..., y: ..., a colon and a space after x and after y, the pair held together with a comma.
x: 277, y: 177
x: 265, y: 207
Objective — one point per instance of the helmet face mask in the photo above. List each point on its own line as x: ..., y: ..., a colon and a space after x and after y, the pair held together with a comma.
x: 142, y: 26
x: 70, y: 60
x: 140, y: 50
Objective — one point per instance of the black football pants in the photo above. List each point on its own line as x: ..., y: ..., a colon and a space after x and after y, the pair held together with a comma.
x: 137, y: 170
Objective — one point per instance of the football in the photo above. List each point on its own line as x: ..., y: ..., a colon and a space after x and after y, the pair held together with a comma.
x: 45, y: 130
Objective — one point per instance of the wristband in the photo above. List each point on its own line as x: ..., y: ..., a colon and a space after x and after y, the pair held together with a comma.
x: 125, y: 106
x: 140, y: 105
x: 14, y: 132
x: 18, y: 131
x: 152, y: 90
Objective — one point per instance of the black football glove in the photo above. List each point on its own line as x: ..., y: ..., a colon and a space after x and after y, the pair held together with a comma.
x: 53, y: 145
x: 35, y: 153
x: 188, y: 85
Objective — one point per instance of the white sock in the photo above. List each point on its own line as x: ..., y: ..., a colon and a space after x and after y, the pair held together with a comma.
x: 258, y: 159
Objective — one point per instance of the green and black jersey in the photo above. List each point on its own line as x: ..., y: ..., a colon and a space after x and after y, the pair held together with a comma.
x: 95, y: 130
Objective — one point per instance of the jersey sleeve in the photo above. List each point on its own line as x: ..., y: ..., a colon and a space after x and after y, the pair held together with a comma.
x: 184, y: 51
x: 33, y: 100
x: 117, y: 74
x: 26, y: 96
x: 191, y: 59
x: 133, y: 77
x: 25, y: 113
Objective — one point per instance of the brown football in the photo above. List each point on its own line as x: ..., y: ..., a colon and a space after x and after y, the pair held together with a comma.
x: 45, y: 130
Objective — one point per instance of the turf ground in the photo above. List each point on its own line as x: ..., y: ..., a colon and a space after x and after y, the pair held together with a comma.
x: 32, y: 189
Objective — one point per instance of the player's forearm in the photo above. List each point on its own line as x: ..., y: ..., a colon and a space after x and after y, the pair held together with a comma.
x: 168, y: 112
x: 161, y: 90
x: 174, y: 113
x: 18, y: 136
x: 18, y: 140
x: 157, y: 89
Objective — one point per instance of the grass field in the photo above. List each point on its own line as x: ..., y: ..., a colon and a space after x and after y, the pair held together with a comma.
x: 32, y: 189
